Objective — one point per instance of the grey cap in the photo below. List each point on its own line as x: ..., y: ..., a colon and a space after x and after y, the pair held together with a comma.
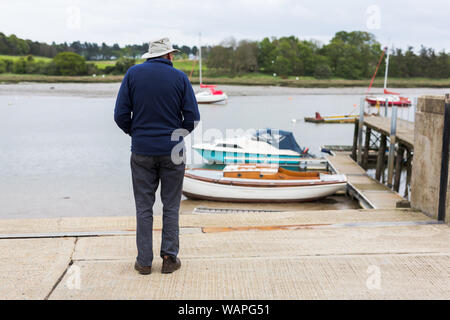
x: 158, y: 48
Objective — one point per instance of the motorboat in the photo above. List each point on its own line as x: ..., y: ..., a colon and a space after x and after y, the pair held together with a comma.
x: 209, y: 94
x: 264, y: 146
x: 260, y: 183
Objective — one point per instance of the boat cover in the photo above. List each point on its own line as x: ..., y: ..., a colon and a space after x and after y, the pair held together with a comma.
x: 279, y: 139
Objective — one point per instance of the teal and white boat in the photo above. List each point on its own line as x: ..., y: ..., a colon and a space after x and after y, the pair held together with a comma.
x: 265, y: 146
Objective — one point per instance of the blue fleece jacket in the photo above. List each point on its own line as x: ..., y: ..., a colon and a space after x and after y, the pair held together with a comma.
x: 154, y: 100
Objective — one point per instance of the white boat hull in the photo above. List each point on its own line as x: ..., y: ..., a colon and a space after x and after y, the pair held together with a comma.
x: 391, y: 100
x: 194, y: 188
x: 210, y: 98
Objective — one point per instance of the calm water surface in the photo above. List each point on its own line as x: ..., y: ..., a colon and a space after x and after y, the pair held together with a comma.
x: 64, y: 155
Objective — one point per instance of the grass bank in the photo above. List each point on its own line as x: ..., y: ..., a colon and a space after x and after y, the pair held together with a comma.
x: 249, y: 80
x: 310, y: 82
x: 16, y: 78
x: 189, y: 66
x: 15, y: 58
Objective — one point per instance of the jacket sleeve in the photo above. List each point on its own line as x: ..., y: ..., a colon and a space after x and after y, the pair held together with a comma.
x: 124, y: 106
x: 189, y: 108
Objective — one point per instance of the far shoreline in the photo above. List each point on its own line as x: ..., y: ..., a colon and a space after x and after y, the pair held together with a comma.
x: 301, y: 82
x: 110, y: 89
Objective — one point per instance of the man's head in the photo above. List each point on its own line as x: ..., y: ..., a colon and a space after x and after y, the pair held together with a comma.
x: 168, y: 56
x: 160, y: 48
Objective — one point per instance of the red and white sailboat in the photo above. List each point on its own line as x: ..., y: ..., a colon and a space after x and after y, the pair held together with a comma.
x: 208, y: 93
x: 393, y: 98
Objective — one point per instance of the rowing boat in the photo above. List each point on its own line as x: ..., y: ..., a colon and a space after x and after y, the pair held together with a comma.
x: 260, y: 183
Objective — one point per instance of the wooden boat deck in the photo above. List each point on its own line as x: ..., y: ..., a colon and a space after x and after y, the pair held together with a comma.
x: 372, y: 193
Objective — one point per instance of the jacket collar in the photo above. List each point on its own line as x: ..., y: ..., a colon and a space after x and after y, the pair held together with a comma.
x: 162, y: 60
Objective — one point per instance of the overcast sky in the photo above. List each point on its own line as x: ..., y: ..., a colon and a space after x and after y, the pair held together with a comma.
x: 398, y: 23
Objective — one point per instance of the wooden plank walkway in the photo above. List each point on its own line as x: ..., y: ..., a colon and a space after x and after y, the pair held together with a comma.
x: 405, y: 129
x: 377, y: 195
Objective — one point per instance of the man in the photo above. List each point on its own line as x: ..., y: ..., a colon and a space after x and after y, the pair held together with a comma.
x: 154, y: 102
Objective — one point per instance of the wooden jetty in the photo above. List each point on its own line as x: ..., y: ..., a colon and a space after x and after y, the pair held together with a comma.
x: 405, y: 129
x: 370, y: 193
x: 401, y: 146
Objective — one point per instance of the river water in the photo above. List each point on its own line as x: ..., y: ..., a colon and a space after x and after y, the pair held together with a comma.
x: 62, y: 154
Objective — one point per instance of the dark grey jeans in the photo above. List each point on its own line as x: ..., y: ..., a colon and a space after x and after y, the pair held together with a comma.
x: 147, y: 171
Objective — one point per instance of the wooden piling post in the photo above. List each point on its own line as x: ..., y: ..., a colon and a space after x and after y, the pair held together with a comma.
x: 392, y: 142
x: 408, y: 172
x: 365, y: 159
x: 355, y: 140
x: 361, y: 124
x: 443, y: 185
x: 386, y: 104
x: 381, y: 157
x: 398, y: 167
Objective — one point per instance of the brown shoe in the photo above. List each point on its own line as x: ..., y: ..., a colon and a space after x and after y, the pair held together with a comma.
x: 170, y: 264
x: 141, y: 269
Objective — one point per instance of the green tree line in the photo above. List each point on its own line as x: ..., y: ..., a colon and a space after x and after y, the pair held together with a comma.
x: 12, y: 45
x: 63, y: 64
x: 349, y: 55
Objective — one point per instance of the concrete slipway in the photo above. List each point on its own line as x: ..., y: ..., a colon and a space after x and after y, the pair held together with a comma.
x: 340, y: 254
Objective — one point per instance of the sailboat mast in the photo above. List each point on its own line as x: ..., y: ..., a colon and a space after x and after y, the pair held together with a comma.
x: 200, y: 56
x: 387, y: 68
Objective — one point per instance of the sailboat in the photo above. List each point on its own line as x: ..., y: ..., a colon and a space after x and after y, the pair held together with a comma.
x: 207, y: 93
x: 392, y: 98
